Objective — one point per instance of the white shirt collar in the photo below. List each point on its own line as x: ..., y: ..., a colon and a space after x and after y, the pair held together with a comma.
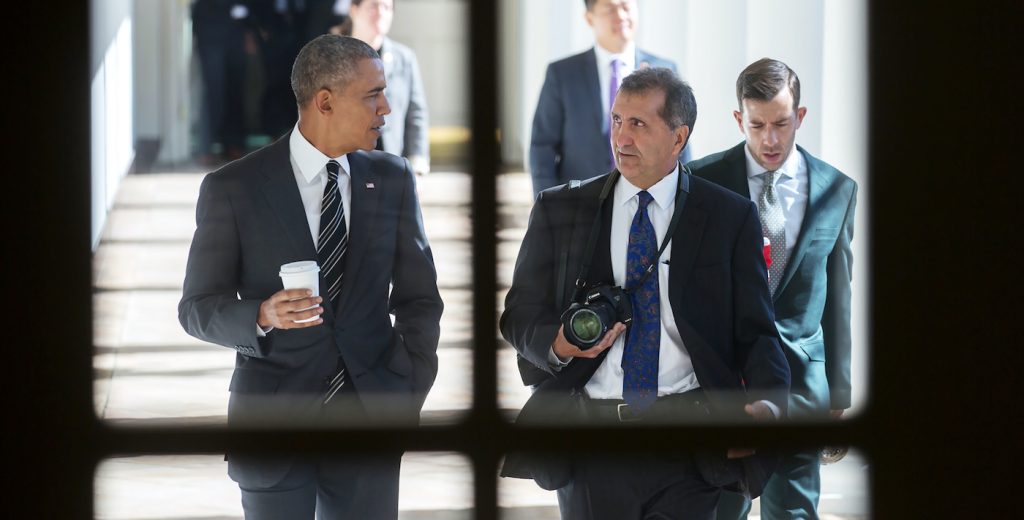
x: 788, y: 168
x: 627, y: 57
x: 308, y: 159
x: 663, y: 192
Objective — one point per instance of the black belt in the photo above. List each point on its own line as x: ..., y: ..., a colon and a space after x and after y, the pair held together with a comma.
x: 691, y: 406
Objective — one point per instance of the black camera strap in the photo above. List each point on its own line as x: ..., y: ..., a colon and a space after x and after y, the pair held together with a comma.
x: 682, y: 191
x: 595, y: 228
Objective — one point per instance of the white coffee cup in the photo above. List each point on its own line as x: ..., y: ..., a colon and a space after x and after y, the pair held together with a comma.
x: 302, y: 275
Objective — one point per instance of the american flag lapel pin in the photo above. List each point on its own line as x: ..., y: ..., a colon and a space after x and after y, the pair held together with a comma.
x: 369, y: 186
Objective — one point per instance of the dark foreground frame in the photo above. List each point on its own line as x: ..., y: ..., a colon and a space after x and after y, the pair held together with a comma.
x: 939, y: 428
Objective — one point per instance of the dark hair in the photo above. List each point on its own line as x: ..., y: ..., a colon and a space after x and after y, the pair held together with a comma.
x: 328, y: 61
x: 589, y: 4
x: 346, y: 24
x: 680, y: 106
x: 764, y: 79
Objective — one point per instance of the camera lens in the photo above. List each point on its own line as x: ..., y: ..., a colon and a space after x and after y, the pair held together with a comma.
x: 586, y: 325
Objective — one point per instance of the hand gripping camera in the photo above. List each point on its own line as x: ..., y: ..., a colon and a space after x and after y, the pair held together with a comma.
x: 586, y: 322
x: 595, y: 310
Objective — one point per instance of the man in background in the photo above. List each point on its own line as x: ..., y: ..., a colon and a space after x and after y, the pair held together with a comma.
x: 571, y: 124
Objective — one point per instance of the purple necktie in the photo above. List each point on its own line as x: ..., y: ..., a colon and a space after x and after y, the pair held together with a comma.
x: 613, y: 88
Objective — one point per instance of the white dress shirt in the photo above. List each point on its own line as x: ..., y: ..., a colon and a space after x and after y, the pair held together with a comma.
x: 604, y: 74
x: 675, y: 369
x: 309, y: 166
x: 790, y: 189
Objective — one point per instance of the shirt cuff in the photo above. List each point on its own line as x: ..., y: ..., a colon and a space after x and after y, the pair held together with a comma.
x: 261, y: 332
x: 771, y: 406
x: 553, y: 360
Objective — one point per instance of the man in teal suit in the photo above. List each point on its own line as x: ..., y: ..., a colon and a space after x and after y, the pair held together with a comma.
x: 807, y: 211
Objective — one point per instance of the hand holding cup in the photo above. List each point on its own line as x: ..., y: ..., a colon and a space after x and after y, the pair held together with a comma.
x: 298, y: 305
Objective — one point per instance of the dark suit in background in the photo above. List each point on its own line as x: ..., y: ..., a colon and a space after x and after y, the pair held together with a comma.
x: 281, y: 26
x: 570, y: 139
x: 220, y: 45
x: 250, y: 220
x: 719, y: 299
x: 812, y: 310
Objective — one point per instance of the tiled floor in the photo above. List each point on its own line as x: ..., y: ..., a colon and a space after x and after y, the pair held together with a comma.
x: 147, y: 368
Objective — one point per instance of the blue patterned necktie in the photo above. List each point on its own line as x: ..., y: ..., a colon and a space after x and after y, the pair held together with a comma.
x: 640, y: 357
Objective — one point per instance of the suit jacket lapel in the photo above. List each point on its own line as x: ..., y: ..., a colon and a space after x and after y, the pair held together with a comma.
x: 592, y: 86
x: 685, y: 244
x: 579, y: 371
x: 736, y: 173
x: 817, y: 183
x: 643, y: 60
x: 282, y: 195
x: 365, y: 189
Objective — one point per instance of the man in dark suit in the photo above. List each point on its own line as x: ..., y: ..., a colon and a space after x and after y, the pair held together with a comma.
x: 569, y: 140
x: 702, y: 339
x: 807, y: 212
x: 220, y: 28
x: 315, y: 195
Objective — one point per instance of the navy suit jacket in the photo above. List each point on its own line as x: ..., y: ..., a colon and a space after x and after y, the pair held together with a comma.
x: 249, y: 221
x: 570, y: 139
x: 812, y: 302
x: 718, y: 293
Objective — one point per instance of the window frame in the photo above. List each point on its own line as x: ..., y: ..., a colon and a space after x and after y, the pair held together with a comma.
x: 72, y: 441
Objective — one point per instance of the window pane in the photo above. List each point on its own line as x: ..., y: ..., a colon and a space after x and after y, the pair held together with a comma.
x: 150, y: 487
x: 156, y: 72
x: 555, y: 126
x: 844, y: 492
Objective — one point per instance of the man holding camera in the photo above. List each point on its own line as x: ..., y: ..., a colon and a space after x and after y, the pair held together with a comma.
x: 680, y: 260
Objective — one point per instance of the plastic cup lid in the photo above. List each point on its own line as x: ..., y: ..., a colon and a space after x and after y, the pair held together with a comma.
x: 300, y: 267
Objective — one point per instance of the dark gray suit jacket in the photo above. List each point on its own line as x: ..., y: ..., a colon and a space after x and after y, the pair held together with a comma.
x: 812, y: 303
x: 249, y: 221
x: 405, y: 129
x: 570, y: 139
x: 718, y: 293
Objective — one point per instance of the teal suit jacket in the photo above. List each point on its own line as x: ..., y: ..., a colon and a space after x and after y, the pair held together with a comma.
x: 812, y: 303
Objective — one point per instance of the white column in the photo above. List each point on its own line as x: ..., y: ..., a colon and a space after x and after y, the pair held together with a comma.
x: 844, y: 118
x: 661, y: 30
x: 717, y: 52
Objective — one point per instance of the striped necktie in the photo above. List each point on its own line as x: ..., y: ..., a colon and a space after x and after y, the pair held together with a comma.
x: 332, y: 242
x: 331, y: 245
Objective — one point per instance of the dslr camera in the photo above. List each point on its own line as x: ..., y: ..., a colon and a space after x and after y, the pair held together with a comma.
x: 586, y: 322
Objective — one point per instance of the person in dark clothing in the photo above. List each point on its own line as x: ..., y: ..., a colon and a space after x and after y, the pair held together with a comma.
x: 219, y: 28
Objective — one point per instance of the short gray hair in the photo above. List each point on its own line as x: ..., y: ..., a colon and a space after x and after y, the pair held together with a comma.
x: 328, y: 62
x: 680, y: 106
